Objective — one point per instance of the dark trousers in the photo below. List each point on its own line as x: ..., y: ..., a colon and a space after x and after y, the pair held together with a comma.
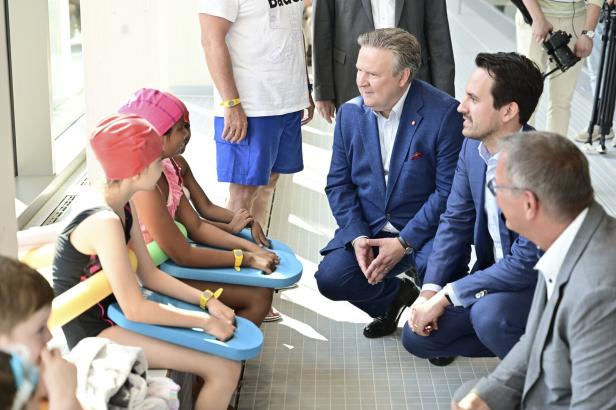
x: 340, y: 278
x: 490, y: 327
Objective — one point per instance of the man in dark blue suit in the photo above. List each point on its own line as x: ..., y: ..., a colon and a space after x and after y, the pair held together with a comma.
x: 484, y: 313
x: 394, y: 155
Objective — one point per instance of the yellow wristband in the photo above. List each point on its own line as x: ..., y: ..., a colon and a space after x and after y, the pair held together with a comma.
x: 230, y: 103
x: 207, y: 295
x: 239, y: 258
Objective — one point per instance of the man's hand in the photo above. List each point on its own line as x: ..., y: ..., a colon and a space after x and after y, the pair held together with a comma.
x: 583, y: 46
x: 541, y: 28
x: 236, y: 124
x: 470, y: 402
x: 326, y: 109
x: 425, y: 316
x: 423, y: 297
x: 363, y: 253
x: 390, y: 253
x: 308, y: 112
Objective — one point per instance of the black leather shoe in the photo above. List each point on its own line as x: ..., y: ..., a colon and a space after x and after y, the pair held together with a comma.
x: 441, y: 361
x: 387, y: 324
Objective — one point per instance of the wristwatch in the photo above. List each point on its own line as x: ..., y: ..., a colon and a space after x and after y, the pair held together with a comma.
x: 588, y: 33
x: 239, y: 257
x: 207, y: 295
x: 408, y: 249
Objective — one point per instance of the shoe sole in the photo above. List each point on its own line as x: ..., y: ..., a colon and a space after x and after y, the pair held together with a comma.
x: 270, y: 319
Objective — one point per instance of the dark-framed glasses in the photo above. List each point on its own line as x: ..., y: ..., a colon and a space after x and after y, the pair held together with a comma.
x: 494, y: 187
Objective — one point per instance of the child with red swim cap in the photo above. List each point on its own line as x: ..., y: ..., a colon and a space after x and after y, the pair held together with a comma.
x: 130, y: 152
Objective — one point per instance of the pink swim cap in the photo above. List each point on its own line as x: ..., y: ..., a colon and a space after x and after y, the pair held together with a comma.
x: 125, y: 145
x: 160, y: 109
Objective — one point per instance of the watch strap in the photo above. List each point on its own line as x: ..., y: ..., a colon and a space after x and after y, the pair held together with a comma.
x: 230, y: 103
x: 239, y: 258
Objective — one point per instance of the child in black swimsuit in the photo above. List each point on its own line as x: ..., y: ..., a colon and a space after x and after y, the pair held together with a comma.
x: 130, y: 152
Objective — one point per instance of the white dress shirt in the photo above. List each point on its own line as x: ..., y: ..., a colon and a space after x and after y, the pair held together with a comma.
x: 383, y: 13
x: 489, y: 204
x: 492, y: 216
x: 388, y: 128
x: 552, y: 260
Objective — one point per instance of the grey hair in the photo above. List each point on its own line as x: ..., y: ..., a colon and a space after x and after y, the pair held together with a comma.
x: 552, y: 167
x: 404, y: 46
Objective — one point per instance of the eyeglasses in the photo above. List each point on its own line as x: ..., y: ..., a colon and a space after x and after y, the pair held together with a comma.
x: 494, y: 188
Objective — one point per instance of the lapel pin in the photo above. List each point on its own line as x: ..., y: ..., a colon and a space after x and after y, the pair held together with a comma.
x: 413, y: 122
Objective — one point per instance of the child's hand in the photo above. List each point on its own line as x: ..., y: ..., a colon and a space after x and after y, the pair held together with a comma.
x: 221, y: 311
x: 220, y: 329
x: 240, y: 219
x: 60, y: 378
x: 258, y: 236
x: 264, y: 261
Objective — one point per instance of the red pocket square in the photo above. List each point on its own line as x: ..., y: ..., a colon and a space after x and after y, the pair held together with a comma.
x: 416, y: 155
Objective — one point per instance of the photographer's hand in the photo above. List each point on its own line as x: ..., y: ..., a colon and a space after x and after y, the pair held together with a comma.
x: 541, y: 28
x: 583, y: 46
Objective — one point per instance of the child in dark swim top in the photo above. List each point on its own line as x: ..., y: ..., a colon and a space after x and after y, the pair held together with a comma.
x: 130, y: 151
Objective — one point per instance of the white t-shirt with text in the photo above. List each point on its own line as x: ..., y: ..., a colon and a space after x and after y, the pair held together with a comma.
x: 266, y: 46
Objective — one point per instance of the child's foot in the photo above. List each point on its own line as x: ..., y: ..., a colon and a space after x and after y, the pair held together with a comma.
x: 273, y: 315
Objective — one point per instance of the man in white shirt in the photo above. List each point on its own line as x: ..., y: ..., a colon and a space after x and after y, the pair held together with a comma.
x: 255, y: 53
x: 566, y: 358
x: 393, y: 159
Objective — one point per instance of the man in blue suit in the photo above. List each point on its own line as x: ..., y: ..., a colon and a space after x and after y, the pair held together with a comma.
x: 394, y: 155
x: 484, y: 313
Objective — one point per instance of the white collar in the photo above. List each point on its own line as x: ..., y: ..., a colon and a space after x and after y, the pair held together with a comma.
x: 552, y: 260
x: 397, y: 108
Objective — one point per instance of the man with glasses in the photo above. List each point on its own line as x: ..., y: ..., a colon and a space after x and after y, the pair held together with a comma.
x: 484, y: 313
x: 566, y: 358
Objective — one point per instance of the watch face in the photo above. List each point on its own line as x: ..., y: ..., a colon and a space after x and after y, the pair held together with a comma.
x: 237, y: 252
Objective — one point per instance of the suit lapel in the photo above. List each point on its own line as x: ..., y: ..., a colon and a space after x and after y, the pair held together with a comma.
x: 485, y: 247
x: 594, y: 216
x: 372, y: 146
x: 505, y: 235
x: 409, y: 122
x: 399, y: 6
x: 368, y: 9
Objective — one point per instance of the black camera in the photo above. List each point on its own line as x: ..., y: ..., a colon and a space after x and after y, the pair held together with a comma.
x: 556, y: 44
x: 557, y: 48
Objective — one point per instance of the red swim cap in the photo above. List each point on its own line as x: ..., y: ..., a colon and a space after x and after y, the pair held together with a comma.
x: 125, y: 145
x: 160, y: 109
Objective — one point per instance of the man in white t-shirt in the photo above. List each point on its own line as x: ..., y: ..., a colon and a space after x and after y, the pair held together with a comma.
x: 255, y: 53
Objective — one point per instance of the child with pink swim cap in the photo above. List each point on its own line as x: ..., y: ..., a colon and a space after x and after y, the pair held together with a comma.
x: 159, y: 207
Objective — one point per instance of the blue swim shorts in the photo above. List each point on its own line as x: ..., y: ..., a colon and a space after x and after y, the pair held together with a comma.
x: 272, y: 144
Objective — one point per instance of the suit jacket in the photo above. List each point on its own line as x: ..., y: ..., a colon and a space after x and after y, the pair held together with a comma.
x: 566, y: 359
x: 422, y: 165
x: 338, y: 23
x: 465, y: 223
